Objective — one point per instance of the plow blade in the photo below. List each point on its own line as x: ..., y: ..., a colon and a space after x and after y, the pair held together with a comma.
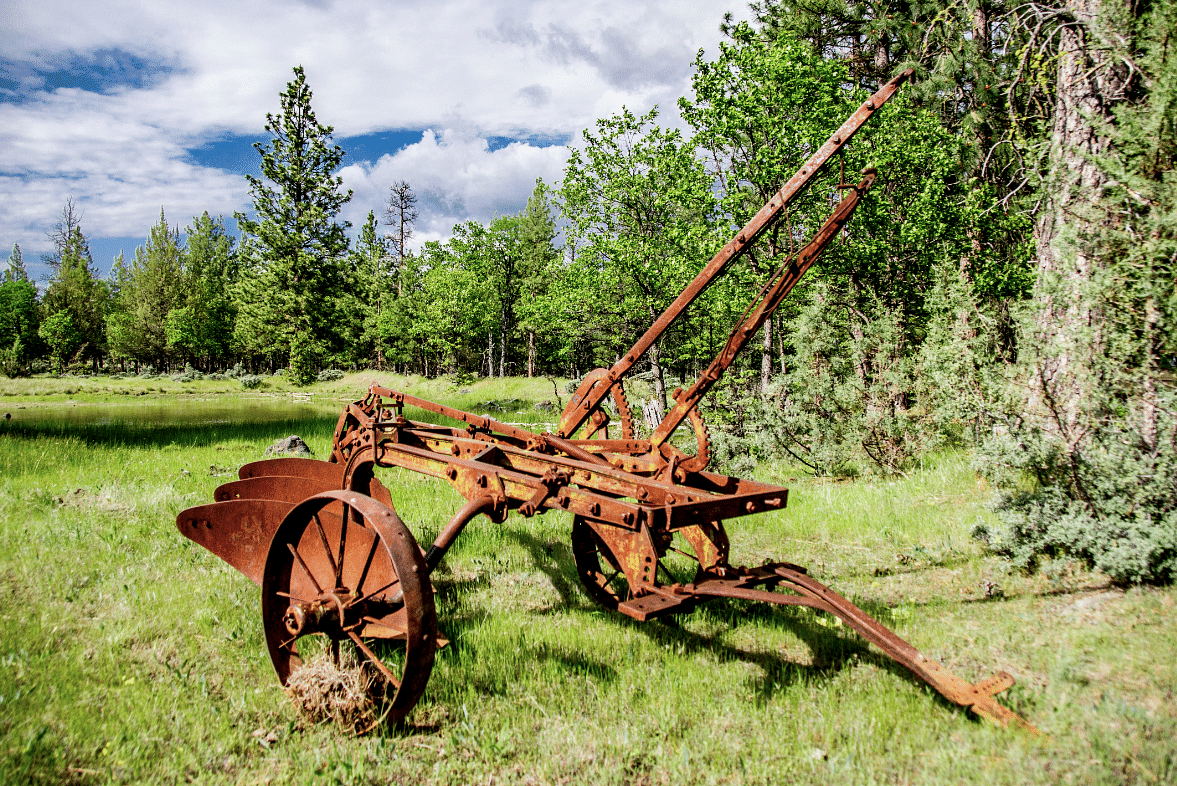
x: 238, y: 531
x: 294, y: 467
x: 284, y: 488
x: 320, y: 475
x: 805, y: 591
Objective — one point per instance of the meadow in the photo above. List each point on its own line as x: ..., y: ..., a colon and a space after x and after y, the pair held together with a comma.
x: 130, y: 655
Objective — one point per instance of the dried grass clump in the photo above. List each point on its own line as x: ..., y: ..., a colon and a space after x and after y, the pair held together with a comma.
x: 343, y: 694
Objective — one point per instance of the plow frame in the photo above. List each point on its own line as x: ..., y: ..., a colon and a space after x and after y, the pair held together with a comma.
x: 323, y: 540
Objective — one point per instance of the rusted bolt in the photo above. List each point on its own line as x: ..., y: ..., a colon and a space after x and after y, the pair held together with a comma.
x: 750, y: 506
x: 595, y: 509
x: 295, y: 620
x: 451, y: 472
x: 627, y: 518
x: 482, y: 481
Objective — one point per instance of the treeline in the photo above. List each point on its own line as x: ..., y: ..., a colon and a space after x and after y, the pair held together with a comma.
x: 1007, y: 283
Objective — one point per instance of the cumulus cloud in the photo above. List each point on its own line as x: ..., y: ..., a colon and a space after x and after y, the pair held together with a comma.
x: 456, y: 177
x: 169, y: 78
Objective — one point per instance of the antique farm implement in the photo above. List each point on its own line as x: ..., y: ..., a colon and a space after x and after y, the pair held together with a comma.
x: 337, y: 565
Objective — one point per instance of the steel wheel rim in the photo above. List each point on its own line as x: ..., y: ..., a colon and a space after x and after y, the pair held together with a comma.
x: 372, y: 594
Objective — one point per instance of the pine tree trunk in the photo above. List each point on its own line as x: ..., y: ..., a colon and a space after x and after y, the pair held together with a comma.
x: 530, y: 354
x: 766, y: 357
x: 1089, y: 83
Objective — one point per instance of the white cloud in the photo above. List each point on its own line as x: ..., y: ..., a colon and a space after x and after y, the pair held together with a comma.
x: 455, y: 176
x: 468, y: 69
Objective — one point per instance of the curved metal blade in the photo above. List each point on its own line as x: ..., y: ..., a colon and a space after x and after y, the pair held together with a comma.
x: 238, y: 531
x: 285, y: 488
x: 295, y: 467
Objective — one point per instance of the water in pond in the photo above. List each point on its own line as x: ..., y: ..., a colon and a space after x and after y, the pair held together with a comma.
x: 161, y: 411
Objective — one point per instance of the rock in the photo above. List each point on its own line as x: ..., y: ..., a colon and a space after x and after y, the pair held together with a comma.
x: 290, y: 446
x: 545, y: 406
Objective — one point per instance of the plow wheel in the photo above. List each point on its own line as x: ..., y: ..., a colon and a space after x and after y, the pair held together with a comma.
x: 599, y: 570
x: 343, y: 572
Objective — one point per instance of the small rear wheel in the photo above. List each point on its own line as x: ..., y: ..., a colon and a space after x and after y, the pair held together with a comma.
x: 343, y: 571
x: 599, y: 570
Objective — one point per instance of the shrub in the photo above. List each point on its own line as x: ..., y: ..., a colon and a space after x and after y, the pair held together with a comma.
x: 189, y: 374
x: 329, y: 375
x: 251, y: 381
x: 10, y: 360
x: 1111, y: 504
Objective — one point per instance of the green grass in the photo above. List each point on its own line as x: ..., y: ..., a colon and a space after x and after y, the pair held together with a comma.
x: 129, y: 654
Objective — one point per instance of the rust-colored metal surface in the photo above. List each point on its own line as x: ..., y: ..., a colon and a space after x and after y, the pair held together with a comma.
x: 338, y: 567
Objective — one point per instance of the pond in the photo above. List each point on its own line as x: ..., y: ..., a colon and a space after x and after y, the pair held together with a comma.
x: 196, y: 411
x: 158, y: 411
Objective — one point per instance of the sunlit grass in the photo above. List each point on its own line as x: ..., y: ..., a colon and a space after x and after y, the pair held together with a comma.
x: 129, y: 654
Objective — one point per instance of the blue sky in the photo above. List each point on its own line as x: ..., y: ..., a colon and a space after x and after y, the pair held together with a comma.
x: 129, y: 106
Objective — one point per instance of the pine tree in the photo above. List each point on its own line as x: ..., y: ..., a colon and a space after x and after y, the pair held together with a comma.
x: 147, y: 293
x: 75, y: 303
x: 400, y: 214
x: 298, y: 246
x: 16, y: 266
x: 370, y: 273
x: 18, y: 317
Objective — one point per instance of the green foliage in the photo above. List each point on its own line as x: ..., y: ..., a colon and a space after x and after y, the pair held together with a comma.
x: 19, y: 323
x: 294, y: 249
x: 1109, y: 505
x: 74, y: 289
x: 1095, y: 480
x: 200, y: 325
x: 638, y: 203
x: 251, y: 381
x: 61, y: 334
x: 148, y: 291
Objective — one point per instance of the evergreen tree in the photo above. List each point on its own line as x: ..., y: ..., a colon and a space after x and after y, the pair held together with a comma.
x: 297, y: 247
x: 147, y: 293
x: 75, y: 303
x: 538, y: 314
x: 18, y: 318
x: 372, y: 274
x: 16, y: 266
x: 400, y: 214
x: 1087, y: 461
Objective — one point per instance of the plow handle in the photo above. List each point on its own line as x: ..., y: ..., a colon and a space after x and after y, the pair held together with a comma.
x: 580, y: 407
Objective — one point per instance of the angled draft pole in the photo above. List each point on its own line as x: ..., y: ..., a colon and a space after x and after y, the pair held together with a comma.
x: 597, y: 387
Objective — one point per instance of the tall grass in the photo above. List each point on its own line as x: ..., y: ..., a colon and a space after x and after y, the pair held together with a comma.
x: 128, y: 654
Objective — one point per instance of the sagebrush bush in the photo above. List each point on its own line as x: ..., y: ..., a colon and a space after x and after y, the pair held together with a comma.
x: 1111, y: 505
x: 189, y: 374
x: 329, y: 375
x: 251, y: 381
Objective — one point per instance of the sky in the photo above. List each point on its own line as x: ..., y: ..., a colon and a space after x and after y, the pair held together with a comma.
x: 129, y: 108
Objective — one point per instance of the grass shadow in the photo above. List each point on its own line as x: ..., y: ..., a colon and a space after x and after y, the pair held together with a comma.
x: 145, y: 435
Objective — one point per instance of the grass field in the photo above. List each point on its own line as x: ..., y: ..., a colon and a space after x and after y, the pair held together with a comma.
x: 129, y: 654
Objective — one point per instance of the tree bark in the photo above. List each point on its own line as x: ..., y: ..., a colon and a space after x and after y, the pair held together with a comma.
x: 1089, y: 84
x: 530, y: 354
x: 766, y: 357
